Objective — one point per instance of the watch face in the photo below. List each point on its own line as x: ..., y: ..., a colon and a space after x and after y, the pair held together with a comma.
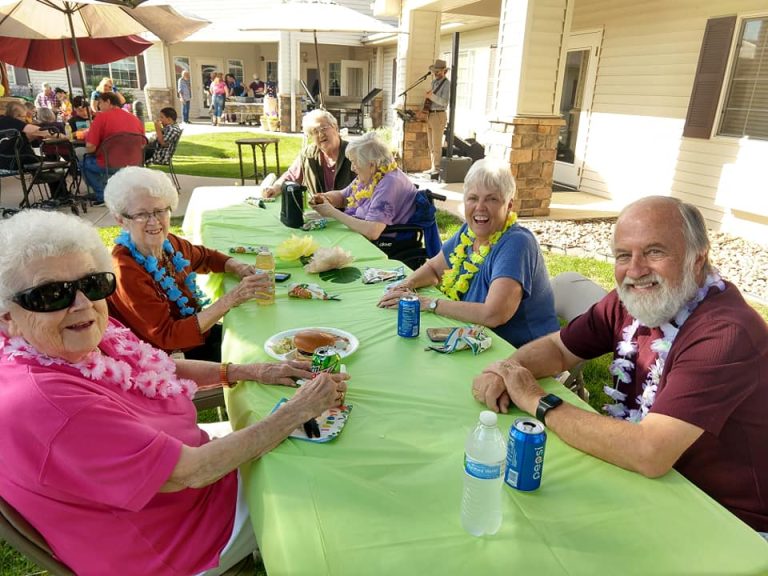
x: 552, y: 401
x: 433, y: 304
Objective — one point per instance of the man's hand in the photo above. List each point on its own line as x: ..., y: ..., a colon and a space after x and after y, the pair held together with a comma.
x: 523, y: 389
x: 488, y: 389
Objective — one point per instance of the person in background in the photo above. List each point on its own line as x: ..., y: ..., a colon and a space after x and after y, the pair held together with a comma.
x: 45, y: 118
x: 15, y: 118
x: 491, y: 271
x: 219, y: 95
x: 80, y: 117
x: 99, y: 446
x: 106, y: 85
x: 167, y: 134
x: 435, y: 106
x: 65, y: 106
x: 47, y: 98
x: 184, y: 92
x: 322, y: 165
x: 257, y: 87
x: 381, y: 195
x: 157, y: 295
x: 29, y: 115
x: 111, y: 120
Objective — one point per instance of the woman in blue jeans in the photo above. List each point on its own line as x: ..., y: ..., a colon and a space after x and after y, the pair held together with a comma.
x: 219, y: 93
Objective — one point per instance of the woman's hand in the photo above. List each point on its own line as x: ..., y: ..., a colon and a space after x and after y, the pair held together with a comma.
x: 324, y: 208
x: 271, y: 191
x: 285, y: 373
x: 322, y: 392
x: 392, y: 296
x: 241, y: 269
x: 256, y: 286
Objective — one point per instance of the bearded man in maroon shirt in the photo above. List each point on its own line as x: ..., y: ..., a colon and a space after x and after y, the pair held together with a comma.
x: 690, y: 365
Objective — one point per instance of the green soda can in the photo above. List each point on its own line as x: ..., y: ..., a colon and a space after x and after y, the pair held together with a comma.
x: 326, y: 359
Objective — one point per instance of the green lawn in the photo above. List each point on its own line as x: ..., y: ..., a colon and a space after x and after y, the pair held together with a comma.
x: 215, y: 154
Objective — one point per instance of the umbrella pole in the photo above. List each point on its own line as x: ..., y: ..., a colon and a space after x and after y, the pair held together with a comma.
x: 319, y: 74
x: 66, y: 67
x: 76, y: 50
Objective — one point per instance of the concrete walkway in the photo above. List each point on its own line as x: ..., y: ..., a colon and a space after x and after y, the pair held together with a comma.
x: 565, y: 205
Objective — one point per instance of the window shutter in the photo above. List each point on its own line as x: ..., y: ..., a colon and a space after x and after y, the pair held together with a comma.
x: 710, y: 72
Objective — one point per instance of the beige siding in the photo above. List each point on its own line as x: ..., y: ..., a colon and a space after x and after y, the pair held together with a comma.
x: 390, y: 53
x: 646, y: 69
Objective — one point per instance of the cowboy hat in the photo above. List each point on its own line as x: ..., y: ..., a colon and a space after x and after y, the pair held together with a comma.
x: 438, y: 65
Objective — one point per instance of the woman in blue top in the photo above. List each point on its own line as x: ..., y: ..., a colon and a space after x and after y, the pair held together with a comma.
x: 491, y: 271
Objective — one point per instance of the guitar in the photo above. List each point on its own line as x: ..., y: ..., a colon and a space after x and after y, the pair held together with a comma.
x: 427, y: 107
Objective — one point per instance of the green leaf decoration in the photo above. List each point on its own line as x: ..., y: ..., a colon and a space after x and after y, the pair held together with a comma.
x: 341, y: 275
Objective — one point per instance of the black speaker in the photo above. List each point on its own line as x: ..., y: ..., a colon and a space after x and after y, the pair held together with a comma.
x: 292, y: 206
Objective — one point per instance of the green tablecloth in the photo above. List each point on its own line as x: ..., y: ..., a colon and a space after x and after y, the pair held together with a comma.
x: 383, y: 498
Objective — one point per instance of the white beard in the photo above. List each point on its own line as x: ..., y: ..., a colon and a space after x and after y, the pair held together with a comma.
x: 661, y: 304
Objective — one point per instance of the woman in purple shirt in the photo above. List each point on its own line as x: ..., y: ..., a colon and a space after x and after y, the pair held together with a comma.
x: 380, y: 195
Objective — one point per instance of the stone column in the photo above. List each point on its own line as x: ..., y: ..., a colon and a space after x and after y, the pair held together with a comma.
x: 157, y: 99
x: 529, y: 144
x: 377, y: 111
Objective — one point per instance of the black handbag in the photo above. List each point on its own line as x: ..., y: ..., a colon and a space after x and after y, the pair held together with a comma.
x: 292, y: 207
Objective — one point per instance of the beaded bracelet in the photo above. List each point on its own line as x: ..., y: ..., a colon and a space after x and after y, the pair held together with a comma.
x: 224, y: 374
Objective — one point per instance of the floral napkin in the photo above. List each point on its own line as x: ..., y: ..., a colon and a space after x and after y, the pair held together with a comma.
x: 474, y: 338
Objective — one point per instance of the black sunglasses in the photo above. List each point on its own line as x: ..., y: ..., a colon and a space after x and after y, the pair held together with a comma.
x: 56, y: 296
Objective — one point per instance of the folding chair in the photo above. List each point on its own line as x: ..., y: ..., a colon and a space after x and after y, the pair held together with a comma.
x: 20, y: 534
x: 417, y: 240
x: 121, y: 150
x: 171, y: 153
x: 61, y: 150
x: 31, y: 173
x: 574, y: 294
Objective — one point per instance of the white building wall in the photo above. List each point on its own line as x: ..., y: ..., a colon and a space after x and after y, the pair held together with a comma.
x: 646, y: 70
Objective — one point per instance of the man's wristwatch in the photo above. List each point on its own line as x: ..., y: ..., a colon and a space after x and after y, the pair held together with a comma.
x: 433, y: 305
x: 547, y: 403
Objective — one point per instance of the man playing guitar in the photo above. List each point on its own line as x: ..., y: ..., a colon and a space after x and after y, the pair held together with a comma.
x: 434, y: 108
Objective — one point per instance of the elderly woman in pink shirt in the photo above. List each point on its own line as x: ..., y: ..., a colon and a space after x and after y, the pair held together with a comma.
x: 99, y: 449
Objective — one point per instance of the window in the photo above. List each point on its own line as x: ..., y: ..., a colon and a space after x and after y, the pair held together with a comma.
x: 745, y: 111
x: 463, y: 79
x: 235, y: 67
x: 272, y: 71
x: 124, y: 73
x: 11, y: 74
x: 334, y: 79
x: 180, y: 64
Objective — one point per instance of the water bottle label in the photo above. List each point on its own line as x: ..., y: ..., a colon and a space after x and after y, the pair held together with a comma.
x: 481, y: 470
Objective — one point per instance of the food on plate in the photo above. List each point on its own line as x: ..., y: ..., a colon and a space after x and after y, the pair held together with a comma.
x: 283, y: 346
x: 307, y: 341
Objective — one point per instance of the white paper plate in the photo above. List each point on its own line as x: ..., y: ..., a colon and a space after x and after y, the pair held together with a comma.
x: 276, y: 339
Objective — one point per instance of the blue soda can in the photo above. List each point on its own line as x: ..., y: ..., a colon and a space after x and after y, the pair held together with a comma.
x: 408, y: 316
x: 525, y: 454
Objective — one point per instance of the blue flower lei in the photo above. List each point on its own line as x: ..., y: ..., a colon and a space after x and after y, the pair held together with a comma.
x: 167, y: 283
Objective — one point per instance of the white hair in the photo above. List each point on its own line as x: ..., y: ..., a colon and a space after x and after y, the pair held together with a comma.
x: 492, y: 175
x: 315, y: 117
x: 34, y: 234
x: 369, y: 148
x: 131, y: 180
x: 45, y: 115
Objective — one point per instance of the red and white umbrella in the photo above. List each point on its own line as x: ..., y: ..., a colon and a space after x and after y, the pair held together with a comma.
x: 48, y: 55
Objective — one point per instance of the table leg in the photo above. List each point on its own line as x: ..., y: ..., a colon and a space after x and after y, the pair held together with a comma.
x: 264, y: 158
x: 255, y: 165
x: 240, y: 156
x: 277, y: 158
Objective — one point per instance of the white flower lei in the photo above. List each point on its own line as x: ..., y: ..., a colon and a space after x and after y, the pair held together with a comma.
x: 135, y: 364
x: 622, y: 367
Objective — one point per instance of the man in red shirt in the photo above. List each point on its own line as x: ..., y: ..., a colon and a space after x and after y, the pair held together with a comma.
x: 110, y: 120
x: 690, y: 365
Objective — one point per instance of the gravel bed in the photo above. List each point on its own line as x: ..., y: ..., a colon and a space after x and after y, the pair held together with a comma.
x: 742, y: 262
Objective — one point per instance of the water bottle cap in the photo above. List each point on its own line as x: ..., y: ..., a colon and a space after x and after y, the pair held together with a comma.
x: 488, y: 418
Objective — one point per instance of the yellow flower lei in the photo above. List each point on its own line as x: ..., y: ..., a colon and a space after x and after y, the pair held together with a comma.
x: 359, y: 194
x: 455, y: 283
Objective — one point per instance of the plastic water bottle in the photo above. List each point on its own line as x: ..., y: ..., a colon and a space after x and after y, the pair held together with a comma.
x: 484, y: 459
x: 68, y: 131
x: 265, y: 263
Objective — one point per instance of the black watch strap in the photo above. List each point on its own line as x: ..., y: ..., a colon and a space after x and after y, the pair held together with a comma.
x: 547, y: 403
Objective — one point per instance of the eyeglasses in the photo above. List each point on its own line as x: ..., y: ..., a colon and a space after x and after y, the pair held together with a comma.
x: 317, y: 130
x: 56, y: 296
x: 143, y: 217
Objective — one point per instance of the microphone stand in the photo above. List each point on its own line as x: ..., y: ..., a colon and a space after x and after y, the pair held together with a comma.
x: 407, y: 114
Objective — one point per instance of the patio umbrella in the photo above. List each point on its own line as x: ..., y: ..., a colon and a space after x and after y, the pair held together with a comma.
x: 71, y: 19
x: 313, y: 16
x: 48, y: 55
